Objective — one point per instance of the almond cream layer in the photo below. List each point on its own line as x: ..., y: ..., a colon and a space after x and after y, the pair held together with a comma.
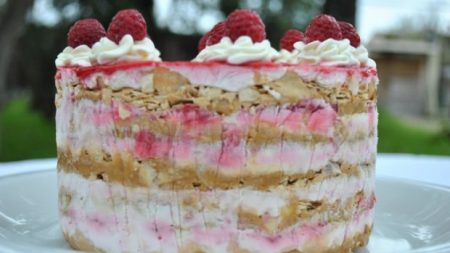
x: 102, y: 213
x: 184, y: 130
x: 307, y: 120
x: 158, y: 88
x: 169, y: 174
x: 331, y: 190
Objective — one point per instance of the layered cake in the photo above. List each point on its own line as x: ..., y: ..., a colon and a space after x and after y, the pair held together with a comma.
x: 243, y: 149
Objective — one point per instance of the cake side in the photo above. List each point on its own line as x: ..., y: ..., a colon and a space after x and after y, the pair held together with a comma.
x: 191, y: 120
x: 291, y: 163
x: 243, y: 149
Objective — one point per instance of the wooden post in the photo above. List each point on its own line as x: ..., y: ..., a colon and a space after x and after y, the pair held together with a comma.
x: 433, y: 71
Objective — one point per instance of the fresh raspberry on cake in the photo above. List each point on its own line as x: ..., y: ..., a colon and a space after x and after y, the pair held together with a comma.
x: 203, y: 41
x: 85, y: 32
x: 128, y: 21
x: 289, y: 38
x: 216, y: 33
x: 323, y: 27
x: 245, y: 23
x: 349, y: 32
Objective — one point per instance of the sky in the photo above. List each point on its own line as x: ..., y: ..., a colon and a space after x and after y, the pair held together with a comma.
x: 372, y: 15
x: 381, y: 15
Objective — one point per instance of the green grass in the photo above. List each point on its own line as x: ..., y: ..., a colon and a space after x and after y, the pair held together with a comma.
x: 25, y: 134
x: 397, y: 136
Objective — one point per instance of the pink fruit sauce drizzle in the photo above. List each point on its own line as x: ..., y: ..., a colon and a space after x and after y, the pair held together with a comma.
x: 100, y: 222
x: 108, y: 69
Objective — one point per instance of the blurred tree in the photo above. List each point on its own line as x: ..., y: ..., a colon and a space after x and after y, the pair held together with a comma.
x: 343, y: 10
x: 12, y: 19
x: 175, y: 30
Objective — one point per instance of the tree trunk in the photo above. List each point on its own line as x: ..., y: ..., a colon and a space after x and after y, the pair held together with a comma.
x: 12, y: 21
x: 342, y: 10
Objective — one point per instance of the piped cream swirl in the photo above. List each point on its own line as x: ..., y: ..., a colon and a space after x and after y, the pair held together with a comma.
x: 106, y: 51
x: 329, y: 52
x: 243, y: 50
x: 80, y: 56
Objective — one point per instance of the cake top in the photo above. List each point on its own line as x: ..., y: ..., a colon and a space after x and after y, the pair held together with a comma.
x: 240, y: 39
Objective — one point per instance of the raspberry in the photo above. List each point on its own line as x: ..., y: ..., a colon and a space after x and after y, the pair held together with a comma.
x: 202, y: 42
x: 85, y: 32
x: 289, y: 38
x: 349, y: 32
x: 245, y: 22
x: 128, y: 21
x: 212, y: 37
x: 323, y: 27
x: 216, y: 33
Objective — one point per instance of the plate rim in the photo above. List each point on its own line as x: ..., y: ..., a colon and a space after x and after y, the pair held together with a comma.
x: 442, y: 248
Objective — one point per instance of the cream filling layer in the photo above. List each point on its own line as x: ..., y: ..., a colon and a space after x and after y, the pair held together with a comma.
x: 117, y: 218
x: 91, y: 125
x: 162, y: 237
x: 270, y: 202
x: 289, y: 158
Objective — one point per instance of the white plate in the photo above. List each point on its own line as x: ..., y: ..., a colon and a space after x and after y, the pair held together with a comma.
x: 410, y: 216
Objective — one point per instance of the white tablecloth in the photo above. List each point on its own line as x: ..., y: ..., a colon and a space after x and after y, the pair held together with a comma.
x: 431, y: 169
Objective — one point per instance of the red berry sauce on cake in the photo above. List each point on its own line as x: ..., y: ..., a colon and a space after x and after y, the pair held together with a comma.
x: 244, y: 149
